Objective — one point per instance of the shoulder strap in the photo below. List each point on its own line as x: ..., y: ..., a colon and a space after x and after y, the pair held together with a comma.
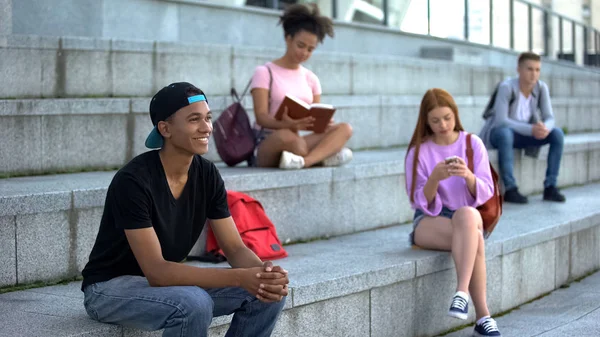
x: 270, y: 82
x: 243, y: 92
x: 513, y: 96
x: 539, y: 96
x: 269, y: 99
x: 469, y: 153
x: 489, y: 109
x: 239, y: 98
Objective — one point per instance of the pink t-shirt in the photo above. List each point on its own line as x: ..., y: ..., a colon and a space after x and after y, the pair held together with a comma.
x: 452, y: 192
x: 300, y: 82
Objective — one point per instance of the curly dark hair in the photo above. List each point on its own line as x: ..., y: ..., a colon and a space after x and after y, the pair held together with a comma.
x: 307, y: 17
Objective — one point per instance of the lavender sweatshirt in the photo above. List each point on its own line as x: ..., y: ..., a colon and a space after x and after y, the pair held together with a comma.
x: 453, y: 192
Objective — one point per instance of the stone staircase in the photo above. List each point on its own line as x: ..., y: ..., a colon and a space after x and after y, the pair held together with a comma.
x: 80, y: 104
x: 372, y: 283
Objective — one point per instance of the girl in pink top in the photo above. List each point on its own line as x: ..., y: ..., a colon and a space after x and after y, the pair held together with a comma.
x: 280, y: 143
x: 445, y: 194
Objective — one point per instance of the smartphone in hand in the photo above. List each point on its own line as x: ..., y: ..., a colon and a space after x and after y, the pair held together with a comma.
x: 451, y: 160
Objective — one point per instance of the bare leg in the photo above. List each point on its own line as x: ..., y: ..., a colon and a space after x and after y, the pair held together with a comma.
x: 434, y: 233
x: 465, y: 231
x: 462, y: 236
x: 269, y: 150
x: 478, y: 285
x: 326, y: 144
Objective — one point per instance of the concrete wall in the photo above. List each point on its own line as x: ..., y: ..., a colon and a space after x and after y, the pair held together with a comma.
x: 595, y: 14
x: 60, y: 214
x: 34, y: 67
x: 375, y: 284
x: 6, y: 17
x: 369, y: 90
x: 196, y: 21
x: 109, y: 132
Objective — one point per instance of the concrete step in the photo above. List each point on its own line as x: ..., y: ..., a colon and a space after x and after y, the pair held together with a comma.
x: 373, y: 283
x: 571, y: 311
x: 69, y: 135
x: 169, y: 20
x: 35, y: 66
x: 368, y: 193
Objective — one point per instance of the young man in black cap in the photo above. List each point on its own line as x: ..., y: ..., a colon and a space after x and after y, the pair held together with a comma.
x: 155, y: 209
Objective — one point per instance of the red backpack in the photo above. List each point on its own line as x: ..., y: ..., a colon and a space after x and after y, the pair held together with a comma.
x: 257, y: 231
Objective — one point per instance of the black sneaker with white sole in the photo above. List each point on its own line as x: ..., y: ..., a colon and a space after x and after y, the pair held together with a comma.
x: 459, y: 307
x: 488, y: 328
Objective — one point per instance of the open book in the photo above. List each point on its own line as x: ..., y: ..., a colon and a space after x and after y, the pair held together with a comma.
x: 299, y: 109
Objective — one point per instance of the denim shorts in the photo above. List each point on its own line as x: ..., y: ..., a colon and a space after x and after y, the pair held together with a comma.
x: 419, y: 215
x: 259, y: 136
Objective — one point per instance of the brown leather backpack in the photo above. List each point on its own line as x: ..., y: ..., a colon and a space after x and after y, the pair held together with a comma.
x: 491, y: 210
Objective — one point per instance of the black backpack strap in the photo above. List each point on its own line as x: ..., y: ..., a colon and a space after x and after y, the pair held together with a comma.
x: 513, y: 96
x: 234, y: 94
x: 540, y: 95
x: 237, y: 98
x: 489, y: 109
x: 210, y: 257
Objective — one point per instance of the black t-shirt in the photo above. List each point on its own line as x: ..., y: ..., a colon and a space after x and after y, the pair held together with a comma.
x: 139, y: 197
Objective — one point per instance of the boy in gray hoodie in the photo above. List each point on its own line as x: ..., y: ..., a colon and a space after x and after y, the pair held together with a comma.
x: 513, y: 122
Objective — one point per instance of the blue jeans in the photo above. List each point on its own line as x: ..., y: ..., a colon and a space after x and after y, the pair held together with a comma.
x: 181, y: 310
x: 505, y: 140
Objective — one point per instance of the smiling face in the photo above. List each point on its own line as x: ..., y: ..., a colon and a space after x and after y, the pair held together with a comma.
x: 441, y: 121
x: 301, y: 46
x: 188, y: 129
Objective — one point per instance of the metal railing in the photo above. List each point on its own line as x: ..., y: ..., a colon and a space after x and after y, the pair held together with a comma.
x: 559, y: 37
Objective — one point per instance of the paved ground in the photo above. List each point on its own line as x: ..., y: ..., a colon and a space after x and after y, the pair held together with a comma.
x: 568, y: 312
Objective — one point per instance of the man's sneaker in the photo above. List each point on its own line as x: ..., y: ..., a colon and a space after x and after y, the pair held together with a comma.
x: 514, y: 196
x: 553, y: 194
x: 459, y: 307
x: 340, y: 158
x: 290, y: 161
x: 487, y: 328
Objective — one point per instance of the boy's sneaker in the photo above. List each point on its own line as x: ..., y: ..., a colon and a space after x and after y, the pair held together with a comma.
x: 487, y: 328
x: 290, y: 161
x: 553, y: 194
x: 340, y: 158
x: 514, y: 196
x: 460, y: 306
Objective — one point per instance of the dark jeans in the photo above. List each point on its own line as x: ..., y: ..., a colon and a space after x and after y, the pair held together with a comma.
x: 505, y: 140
